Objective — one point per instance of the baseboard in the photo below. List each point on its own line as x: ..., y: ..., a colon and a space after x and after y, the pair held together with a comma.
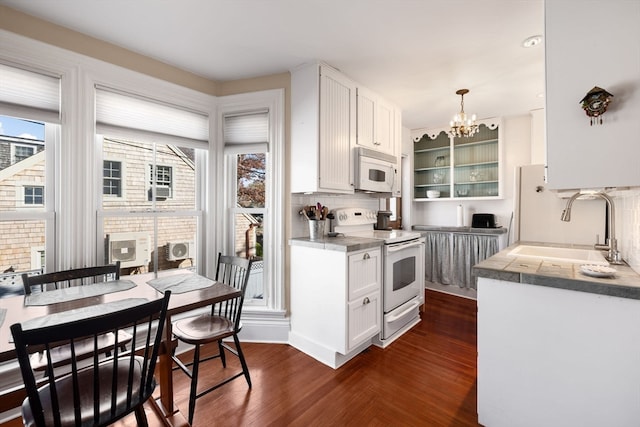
x: 452, y: 290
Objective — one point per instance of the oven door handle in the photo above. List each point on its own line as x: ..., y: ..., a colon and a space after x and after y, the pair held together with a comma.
x: 414, y: 304
x: 402, y: 246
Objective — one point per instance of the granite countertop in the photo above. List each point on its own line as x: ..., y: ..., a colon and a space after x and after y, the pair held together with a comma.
x: 466, y: 230
x: 562, y: 275
x: 339, y: 243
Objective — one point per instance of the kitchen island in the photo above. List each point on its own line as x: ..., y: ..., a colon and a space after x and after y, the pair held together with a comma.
x: 556, y: 347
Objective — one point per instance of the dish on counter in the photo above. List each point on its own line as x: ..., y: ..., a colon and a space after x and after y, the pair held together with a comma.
x: 594, y: 270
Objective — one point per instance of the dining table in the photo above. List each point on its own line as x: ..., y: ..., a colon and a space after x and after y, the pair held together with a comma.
x: 189, y: 291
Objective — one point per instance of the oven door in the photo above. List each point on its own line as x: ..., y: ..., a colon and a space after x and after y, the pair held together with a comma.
x: 403, y: 272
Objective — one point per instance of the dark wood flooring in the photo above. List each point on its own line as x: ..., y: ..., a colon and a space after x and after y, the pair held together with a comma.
x: 425, y: 378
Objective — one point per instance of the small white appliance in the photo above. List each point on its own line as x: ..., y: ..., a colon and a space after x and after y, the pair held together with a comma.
x: 403, y: 269
x: 375, y: 172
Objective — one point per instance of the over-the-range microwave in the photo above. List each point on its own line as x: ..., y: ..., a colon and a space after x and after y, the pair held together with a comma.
x: 375, y: 172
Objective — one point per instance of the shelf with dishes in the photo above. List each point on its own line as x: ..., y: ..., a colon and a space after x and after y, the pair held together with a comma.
x: 457, y: 167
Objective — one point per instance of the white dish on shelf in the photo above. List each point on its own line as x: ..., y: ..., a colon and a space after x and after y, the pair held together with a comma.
x: 594, y: 270
x: 433, y: 194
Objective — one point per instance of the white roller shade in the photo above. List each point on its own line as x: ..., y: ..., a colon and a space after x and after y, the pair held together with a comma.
x: 122, y: 115
x: 29, y: 95
x: 246, y: 132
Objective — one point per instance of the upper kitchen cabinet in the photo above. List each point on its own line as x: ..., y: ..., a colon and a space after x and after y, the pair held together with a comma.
x: 468, y: 167
x: 582, y: 52
x: 323, y: 130
x: 376, y: 123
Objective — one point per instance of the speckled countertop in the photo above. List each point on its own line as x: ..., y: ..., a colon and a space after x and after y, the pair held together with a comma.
x: 453, y: 229
x: 339, y: 243
x: 563, y: 275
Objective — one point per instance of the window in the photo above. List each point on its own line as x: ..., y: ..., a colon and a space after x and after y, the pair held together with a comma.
x: 33, y: 195
x: 112, y: 181
x: 21, y: 152
x: 163, y: 181
x: 159, y: 156
x: 246, y: 137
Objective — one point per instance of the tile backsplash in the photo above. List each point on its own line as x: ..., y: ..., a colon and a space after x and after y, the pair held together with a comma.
x: 300, y: 227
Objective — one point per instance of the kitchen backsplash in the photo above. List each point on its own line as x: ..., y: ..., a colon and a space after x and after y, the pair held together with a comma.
x: 299, y: 225
x: 629, y: 230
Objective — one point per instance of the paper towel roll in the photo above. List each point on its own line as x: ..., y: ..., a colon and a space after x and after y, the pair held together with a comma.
x: 460, y: 216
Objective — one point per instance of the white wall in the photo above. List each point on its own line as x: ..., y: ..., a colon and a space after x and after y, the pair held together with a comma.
x: 516, y: 152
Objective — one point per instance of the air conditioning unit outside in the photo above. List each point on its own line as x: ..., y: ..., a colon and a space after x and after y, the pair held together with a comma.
x: 131, y: 249
x: 180, y: 250
x: 162, y: 193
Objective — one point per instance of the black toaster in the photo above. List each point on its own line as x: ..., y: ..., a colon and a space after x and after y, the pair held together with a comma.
x: 483, y: 220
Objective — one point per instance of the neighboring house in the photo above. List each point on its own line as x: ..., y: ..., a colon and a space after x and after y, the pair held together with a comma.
x: 127, y: 177
x: 21, y: 188
x: 127, y: 181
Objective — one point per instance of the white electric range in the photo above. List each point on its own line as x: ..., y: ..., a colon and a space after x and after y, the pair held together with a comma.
x: 403, y: 269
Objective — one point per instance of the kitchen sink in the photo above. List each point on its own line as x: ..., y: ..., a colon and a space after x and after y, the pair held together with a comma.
x: 547, y: 253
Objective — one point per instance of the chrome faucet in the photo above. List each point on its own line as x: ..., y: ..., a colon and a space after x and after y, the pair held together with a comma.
x: 611, y: 246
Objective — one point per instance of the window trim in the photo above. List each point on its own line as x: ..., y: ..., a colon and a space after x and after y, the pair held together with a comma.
x: 273, y: 102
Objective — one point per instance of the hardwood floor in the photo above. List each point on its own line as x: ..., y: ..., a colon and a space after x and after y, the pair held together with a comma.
x: 425, y: 378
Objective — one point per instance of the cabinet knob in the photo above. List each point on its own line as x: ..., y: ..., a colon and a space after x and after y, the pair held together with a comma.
x: 366, y: 301
x: 366, y: 255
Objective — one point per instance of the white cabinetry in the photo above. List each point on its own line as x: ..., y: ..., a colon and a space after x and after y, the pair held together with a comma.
x: 555, y: 357
x: 376, y: 120
x: 323, y: 129
x: 580, y: 54
x: 336, y: 305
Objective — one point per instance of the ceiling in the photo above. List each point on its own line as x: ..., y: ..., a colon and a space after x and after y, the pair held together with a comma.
x: 416, y: 53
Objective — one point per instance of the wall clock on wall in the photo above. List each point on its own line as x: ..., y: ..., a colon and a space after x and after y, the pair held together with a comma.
x: 595, y: 104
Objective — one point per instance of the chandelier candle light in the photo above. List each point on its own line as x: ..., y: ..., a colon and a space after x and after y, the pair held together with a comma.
x: 461, y: 126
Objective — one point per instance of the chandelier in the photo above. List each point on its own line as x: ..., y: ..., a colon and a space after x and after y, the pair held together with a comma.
x: 461, y: 126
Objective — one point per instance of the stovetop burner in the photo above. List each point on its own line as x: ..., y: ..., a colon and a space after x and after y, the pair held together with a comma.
x: 359, y: 222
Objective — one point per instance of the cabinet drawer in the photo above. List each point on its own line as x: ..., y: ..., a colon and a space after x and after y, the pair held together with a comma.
x: 364, y: 317
x: 365, y: 273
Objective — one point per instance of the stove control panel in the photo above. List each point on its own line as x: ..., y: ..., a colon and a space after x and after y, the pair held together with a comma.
x: 355, y: 216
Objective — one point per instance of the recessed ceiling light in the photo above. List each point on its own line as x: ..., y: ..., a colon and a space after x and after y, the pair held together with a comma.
x: 532, y: 41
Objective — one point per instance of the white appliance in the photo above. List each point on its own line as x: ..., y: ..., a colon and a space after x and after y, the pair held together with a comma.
x: 131, y: 249
x: 375, y: 172
x: 403, y: 269
x: 539, y: 209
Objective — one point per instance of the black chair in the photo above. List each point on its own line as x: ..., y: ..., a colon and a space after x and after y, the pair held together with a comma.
x: 74, y: 277
x: 222, y: 322
x: 99, y: 390
x: 68, y: 278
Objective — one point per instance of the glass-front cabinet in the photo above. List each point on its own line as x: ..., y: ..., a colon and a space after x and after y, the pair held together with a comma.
x: 447, y: 167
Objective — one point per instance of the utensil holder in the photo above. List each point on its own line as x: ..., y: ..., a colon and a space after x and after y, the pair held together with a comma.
x: 316, y: 229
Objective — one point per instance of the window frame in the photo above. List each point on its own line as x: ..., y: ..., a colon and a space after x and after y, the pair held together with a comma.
x: 16, y: 145
x: 33, y: 196
x: 274, y: 285
x: 120, y: 180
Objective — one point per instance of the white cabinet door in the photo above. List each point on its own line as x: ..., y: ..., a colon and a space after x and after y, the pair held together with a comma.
x: 364, y: 316
x: 376, y: 120
x: 365, y: 273
x: 366, y: 118
x: 385, y: 128
x: 323, y: 130
x: 337, y: 130
x: 580, y: 55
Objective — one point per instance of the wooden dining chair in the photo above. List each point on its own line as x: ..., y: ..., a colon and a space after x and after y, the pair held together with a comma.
x: 73, y: 277
x: 102, y: 389
x: 221, y: 322
x: 67, y: 278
